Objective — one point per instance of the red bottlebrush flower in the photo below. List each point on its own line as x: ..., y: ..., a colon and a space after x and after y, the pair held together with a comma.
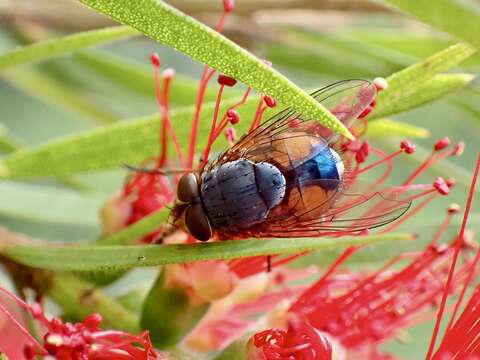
x: 462, y: 340
x: 371, y: 309
x: 301, y: 341
x: 461, y: 347
x: 84, y: 340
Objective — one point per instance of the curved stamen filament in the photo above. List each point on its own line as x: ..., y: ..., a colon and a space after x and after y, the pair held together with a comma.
x: 458, y: 245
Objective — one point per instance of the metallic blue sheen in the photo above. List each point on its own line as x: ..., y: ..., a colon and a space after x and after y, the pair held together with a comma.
x: 320, y: 169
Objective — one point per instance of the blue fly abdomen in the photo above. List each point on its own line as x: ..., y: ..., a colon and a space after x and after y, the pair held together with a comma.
x: 324, y: 168
x: 239, y: 194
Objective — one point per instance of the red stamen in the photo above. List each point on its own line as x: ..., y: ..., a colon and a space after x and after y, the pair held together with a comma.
x: 409, y: 214
x: 258, y: 115
x: 458, y: 246
x: 269, y: 101
x: 166, y: 123
x: 408, y: 147
x: 155, y: 60
x: 380, y: 83
x: 381, y: 161
x: 362, y: 154
x: 205, y: 78
x: 226, y: 80
x: 458, y: 149
x: 467, y: 282
x: 225, y: 120
x: 231, y: 136
x: 441, y: 144
x: 365, y: 112
x: 233, y: 117
x: 22, y: 329
x: 452, y: 210
x: 441, y: 186
x: 211, y: 137
x: 228, y: 5
x: 430, y: 160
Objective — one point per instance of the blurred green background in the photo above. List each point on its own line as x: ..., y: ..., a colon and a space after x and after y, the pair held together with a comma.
x: 312, y: 42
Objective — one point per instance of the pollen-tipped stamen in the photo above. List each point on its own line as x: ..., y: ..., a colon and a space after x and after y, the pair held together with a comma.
x: 211, y: 137
x: 458, y: 246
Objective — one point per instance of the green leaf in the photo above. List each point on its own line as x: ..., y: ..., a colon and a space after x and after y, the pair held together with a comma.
x: 169, y: 26
x: 51, y: 91
x: 76, y: 296
x: 56, y: 47
x: 329, y: 54
x: 133, y: 232
x: 46, y: 204
x: 382, y: 128
x: 108, y: 147
x: 94, y: 258
x: 451, y: 16
x: 135, y: 140
x: 8, y: 142
x: 403, y: 97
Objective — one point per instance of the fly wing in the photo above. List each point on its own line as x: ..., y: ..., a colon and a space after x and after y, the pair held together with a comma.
x: 321, y: 206
x: 346, y: 100
x: 352, y: 213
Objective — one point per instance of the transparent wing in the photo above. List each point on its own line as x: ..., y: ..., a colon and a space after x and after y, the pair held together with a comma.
x: 352, y: 213
x: 346, y: 100
x: 322, y: 206
x: 330, y: 214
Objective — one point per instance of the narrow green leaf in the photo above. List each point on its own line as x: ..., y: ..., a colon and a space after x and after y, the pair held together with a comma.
x: 135, y: 140
x: 76, y: 296
x: 108, y: 147
x: 382, y: 128
x: 133, y: 232
x: 99, y: 258
x: 169, y: 26
x: 403, y: 97
x: 451, y: 16
x: 56, y: 47
x: 8, y: 143
x: 53, y: 92
x: 52, y: 205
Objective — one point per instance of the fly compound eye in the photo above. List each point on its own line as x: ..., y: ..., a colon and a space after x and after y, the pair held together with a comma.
x: 187, y: 189
x: 197, y: 223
